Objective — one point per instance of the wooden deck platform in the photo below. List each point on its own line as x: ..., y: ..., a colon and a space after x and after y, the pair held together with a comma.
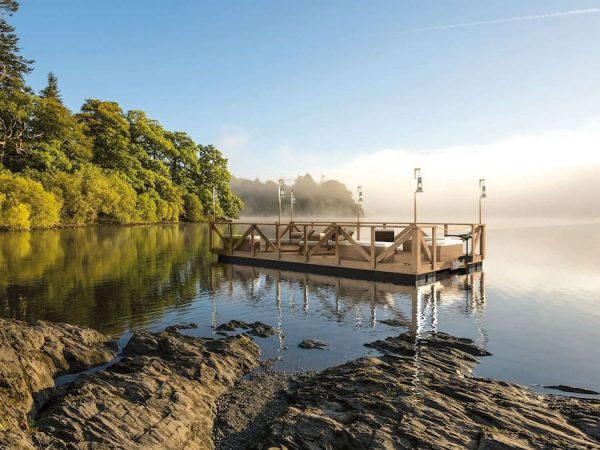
x: 394, y: 252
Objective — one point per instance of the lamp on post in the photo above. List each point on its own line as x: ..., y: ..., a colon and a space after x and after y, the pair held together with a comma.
x: 280, y: 196
x: 418, y: 190
x: 482, y: 195
x: 292, y: 203
x: 359, y: 200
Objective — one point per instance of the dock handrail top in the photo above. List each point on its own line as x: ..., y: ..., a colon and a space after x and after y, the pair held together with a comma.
x: 346, y: 223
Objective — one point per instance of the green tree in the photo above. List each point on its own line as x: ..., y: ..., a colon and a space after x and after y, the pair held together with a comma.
x: 150, y: 144
x: 61, y: 143
x: 51, y: 90
x: 213, y: 173
x: 15, y: 100
x: 193, y: 207
x: 12, y: 65
x: 183, y: 160
x: 16, y: 112
x: 107, y: 127
x: 43, y: 208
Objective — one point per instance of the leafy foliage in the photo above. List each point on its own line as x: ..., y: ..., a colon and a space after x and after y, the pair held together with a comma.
x: 26, y: 204
x: 12, y: 65
x: 193, y: 207
x: 102, y: 164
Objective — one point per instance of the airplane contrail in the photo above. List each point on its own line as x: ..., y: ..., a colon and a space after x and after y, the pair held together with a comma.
x: 574, y: 12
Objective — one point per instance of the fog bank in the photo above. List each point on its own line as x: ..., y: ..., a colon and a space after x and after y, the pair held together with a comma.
x: 551, y: 177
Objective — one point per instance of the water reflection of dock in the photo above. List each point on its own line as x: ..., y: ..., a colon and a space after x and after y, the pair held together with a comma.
x: 412, y: 308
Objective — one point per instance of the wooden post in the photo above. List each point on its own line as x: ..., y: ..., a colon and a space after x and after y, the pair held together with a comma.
x: 230, y: 239
x: 415, y: 208
x: 472, y: 242
x: 416, y: 249
x: 373, y: 253
x: 433, y: 248
x: 337, y: 245
x: 211, y: 236
x: 252, y: 249
x: 445, y: 229
x: 358, y: 220
x: 482, y: 242
x: 278, y: 241
x: 305, y: 244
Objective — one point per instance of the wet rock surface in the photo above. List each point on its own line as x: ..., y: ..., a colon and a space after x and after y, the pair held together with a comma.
x: 394, y: 322
x: 31, y: 355
x: 172, y: 391
x: 161, y: 394
x: 311, y: 344
x: 572, y: 389
x: 420, y: 394
x: 232, y: 325
x: 259, y: 329
x: 181, y: 326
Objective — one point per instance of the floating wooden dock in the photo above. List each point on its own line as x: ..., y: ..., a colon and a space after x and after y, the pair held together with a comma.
x: 393, y: 252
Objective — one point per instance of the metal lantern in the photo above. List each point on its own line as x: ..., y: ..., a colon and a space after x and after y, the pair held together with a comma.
x: 417, y: 175
x: 280, y: 196
x: 482, y: 190
x: 359, y: 200
x: 419, y: 180
x: 292, y: 203
x: 482, y: 195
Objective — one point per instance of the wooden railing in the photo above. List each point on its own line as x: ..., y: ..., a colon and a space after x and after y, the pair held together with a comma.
x: 328, y: 241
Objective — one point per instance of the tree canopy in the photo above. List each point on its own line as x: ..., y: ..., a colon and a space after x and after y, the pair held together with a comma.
x: 100, y: 164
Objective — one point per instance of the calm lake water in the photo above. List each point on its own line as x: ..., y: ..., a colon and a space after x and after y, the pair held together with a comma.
x: 535, y: 307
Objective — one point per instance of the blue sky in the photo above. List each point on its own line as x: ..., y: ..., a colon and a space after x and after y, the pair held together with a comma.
x: 285, y: 87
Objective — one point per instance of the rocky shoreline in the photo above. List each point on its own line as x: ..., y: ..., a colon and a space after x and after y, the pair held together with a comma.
x: 173, y: 391
x: 161, y: 394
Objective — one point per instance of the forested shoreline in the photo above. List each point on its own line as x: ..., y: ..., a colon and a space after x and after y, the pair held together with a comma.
x: 313, y: 199
x: 101, y: 164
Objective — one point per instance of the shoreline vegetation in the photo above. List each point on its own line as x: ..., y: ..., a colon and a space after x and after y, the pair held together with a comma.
x: 101, y: 164
x: 174, y: 391
x: 313, y: 198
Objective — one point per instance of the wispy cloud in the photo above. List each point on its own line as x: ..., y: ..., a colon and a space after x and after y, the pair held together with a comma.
x: 574, y: 12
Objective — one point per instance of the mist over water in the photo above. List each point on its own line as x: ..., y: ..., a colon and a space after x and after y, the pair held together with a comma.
x: 534, y: 306
x: 544, y: 178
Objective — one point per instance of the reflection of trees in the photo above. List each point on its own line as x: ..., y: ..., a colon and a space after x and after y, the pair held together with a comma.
x: 100, y: 275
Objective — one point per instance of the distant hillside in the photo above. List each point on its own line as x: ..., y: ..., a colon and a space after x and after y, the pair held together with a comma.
x: 327, y: 198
